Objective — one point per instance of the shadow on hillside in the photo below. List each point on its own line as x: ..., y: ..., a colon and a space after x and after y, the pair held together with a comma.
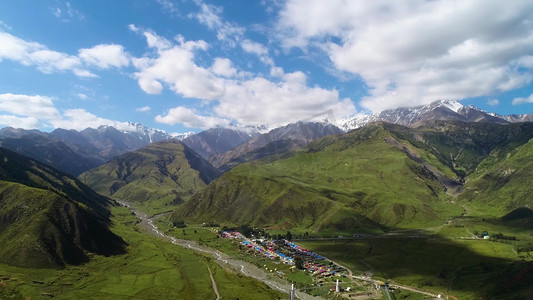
x: 436, y: 263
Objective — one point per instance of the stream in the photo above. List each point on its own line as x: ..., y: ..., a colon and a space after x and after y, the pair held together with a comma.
x: 221, y: 258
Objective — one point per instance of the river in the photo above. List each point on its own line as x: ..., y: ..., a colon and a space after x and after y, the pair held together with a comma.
x: 221, y: 258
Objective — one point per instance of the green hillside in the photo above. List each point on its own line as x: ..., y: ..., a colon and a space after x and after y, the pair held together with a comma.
x: 49, y: 219
x: 379, y: 176
x: 365, y: 180
x: 502, y: 185
x: 156, y: 177
x: 463, y: 146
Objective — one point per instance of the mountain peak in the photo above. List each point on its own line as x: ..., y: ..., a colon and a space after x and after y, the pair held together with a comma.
x: 452, y: 105
x: 438, y: 110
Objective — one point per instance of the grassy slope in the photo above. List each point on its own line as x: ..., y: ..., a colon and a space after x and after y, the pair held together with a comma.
x: 463, y: 146
x: 502, y: 185
x: 335, y: 187
x: 156, y: 177
x: 468, y: 269
x: 49, y: 219
x: 151, y: 269
x: 42, y: 229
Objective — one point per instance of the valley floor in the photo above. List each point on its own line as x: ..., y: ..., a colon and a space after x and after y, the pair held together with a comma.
x: 151, y: 269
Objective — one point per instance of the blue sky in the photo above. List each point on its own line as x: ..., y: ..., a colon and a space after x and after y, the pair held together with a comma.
x: 187, y: 65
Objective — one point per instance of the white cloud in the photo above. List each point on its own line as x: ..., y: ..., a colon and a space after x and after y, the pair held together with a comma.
x: 493, y: 102
x: 35, y: 54
x: 39, y: 112
x: 237, y: 96
x: 3, y: 24
x: 257, y: 49
x: 176, y: 68
x: 19, y: 122
x: 105, y: 56
x: 523, y: 100
x: 66, y: 12
x: 227, y: 32
x: 190, y: 118
x: 411, y: 53
x: 79, y: 119
x: 259, y: 101
x: 82, y: 96
x: 168, y: 6
x: 223, y: 67
x: 37, y: 107
x: 143, y: 109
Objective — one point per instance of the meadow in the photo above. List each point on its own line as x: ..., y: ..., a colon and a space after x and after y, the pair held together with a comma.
x: 151, y: 269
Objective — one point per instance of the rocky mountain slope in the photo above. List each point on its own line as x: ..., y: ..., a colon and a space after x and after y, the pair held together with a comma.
x: 439, y: 110
x: 218, y: 140
x: 277, y: 141
x: 75, y: 152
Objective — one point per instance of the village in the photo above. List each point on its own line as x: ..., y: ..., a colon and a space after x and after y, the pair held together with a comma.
x: 326, y: 277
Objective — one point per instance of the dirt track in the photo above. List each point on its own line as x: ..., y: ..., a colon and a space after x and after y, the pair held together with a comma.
x: 221, y: 258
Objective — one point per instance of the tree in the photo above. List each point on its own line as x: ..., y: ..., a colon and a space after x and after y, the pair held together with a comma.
x: 299, y: 262
x: 288, y: 236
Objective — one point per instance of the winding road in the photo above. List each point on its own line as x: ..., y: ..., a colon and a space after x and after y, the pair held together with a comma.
x: 221, y: 258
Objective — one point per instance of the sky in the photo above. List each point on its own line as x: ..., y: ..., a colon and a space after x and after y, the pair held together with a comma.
x: 189, y: 65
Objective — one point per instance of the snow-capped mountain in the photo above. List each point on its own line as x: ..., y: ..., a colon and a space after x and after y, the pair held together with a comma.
x: 279, y: 140
x: 219, y: 140
x: 77, y: 151
x: 181, y: 136
x: 149, y: 135
x: 438, y: 110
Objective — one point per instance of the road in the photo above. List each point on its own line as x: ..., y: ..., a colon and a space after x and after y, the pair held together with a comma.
x: 221, y: 258
x: 249, y: 269
x: 214, y: 283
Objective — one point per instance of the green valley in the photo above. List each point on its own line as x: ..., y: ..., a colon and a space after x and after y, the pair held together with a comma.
x: 151, y: 269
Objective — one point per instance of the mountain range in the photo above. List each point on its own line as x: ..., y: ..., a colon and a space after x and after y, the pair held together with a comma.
x: 75, y: 152
x: 438, y: 110
x: 437, y: 169
x: 376, y: 177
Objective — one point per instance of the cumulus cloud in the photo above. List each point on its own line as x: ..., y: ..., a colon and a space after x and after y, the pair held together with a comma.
x: 38, y: 112
x: 259, y: 101
x: 105, y: 56
x: 176, y: 68
x: 522, y: 100
x: 19, y: 122
x: 413, y: 52
x: 26, y: 106
x: 79, y: 119
x: 242, y: 97
x: 38, y: 55
x: 190, y: 118
x: 223, y: 67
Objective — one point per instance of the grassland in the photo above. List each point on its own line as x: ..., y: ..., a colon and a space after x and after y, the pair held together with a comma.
x: 445, y: 260
x: 151, y: 269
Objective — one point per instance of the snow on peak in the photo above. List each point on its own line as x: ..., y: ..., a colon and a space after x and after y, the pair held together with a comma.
x: 181, y: 136
x: 453, y: 105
